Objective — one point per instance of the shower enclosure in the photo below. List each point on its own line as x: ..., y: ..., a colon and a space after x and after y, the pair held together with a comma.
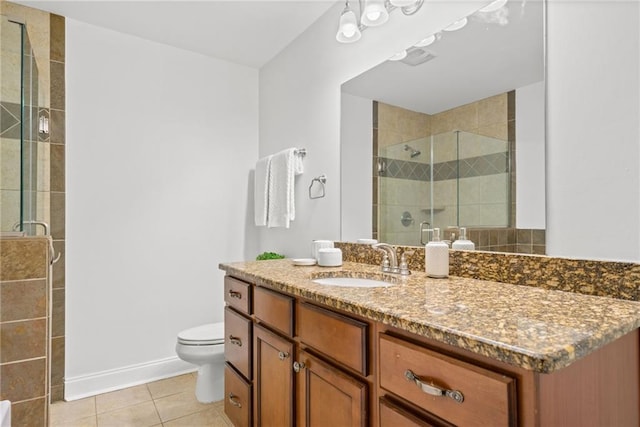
x: 21, y: 173
x: 449, y: 180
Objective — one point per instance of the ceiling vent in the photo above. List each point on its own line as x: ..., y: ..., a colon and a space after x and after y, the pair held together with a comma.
x: 417, y: 55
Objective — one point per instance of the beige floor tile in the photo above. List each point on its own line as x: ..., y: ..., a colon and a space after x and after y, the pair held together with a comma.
x: 180, y: 405
x: 207, y: 418
x: 140, y: 415
x: 122, y: 398
x: 91, y: 421
x: 61, y: 413
x: 173, y: 385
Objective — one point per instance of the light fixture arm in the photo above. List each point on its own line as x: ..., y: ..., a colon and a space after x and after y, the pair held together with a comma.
x: 410, y: 10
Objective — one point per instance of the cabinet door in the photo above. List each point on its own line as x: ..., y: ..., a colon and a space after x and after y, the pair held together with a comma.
x: 327, y: 396
x: 273, y: 379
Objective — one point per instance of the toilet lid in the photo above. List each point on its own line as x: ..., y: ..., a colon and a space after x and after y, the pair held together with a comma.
x: 211, y: 333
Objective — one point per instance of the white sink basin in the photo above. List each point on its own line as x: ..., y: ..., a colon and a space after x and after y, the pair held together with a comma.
x: 352, y: 282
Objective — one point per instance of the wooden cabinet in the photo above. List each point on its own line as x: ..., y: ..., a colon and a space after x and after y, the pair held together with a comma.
x: 337, y: 336
x: 327, y: 396
x: 356, y: 372
x: 238, y: 341
x: 273, y: 379
x: 237, y: 402
x: 453, y: 390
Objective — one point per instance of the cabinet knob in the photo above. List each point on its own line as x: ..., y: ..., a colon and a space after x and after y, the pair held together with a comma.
x: 283, y: 355
x: 235, y: 294
x: 298, y: 366
x: 233, y: 399
x: 432, y: 389
x: 235, y: 340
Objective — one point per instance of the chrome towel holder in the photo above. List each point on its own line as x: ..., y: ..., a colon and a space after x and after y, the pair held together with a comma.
x: 322, y: 180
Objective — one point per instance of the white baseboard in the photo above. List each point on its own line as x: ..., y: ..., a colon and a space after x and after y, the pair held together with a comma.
x: 115, y: 379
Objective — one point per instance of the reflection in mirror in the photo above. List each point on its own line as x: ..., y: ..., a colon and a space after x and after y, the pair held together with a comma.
x: 443, y: 129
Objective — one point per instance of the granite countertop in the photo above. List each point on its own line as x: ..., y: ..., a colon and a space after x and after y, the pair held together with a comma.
x: 537, y: 329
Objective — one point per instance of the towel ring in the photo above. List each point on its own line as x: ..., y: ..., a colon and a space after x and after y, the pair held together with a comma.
x: 322, y: 180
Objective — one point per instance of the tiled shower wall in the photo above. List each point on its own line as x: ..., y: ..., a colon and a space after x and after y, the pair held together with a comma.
x: 24, y: 318
x: 403, y: 181
x: 47, y: 36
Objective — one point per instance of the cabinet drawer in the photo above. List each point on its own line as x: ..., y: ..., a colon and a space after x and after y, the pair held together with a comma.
x: 238, y: 341
x: 340, y: 337
x: 487, y: 398
x: 237, y: 398
x: 274, y: 309
x: 391, y: 415
x: 237, y: 294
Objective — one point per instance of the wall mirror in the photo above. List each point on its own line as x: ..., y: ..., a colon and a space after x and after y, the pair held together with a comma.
x: 437, y: 138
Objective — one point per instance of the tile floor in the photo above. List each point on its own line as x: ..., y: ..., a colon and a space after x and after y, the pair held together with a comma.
x: 168, y: 403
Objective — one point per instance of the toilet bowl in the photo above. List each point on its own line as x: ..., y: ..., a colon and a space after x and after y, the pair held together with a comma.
x: 204, y: 346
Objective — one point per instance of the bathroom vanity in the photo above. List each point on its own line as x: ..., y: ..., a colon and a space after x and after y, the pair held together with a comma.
x: 423, y: 351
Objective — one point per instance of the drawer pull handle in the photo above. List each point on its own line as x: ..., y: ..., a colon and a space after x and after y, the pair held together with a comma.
x: 235, y: 340
x: 283, y: 355
x: 235, y: 294
x: 233, y: 399
x: 298, y: 366
x: 433, y: 390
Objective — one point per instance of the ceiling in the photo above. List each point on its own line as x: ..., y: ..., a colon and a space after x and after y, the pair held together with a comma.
x: 247, y: 32
x: 480, y: 60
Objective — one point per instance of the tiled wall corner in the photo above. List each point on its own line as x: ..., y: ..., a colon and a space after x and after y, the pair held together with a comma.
x: 23, y: 328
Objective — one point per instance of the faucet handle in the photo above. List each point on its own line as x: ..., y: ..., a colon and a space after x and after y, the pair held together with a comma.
x: 404, y: 266
x: 385, y: 263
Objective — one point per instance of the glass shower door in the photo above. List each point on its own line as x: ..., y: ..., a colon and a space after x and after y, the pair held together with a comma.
x: 18, y: 129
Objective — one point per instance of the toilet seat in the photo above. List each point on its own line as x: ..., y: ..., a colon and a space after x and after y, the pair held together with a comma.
x: 209, y: 334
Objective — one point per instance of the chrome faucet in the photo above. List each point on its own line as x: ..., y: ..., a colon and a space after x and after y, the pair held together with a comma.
x: 390, y: 259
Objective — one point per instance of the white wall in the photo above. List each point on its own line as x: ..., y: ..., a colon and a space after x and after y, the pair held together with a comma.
x: 160, y: 144
x: 356, y: 157
x: 300, y: 106
x: 593, y: 130
x: 530, y: 157
x: 592, y: 153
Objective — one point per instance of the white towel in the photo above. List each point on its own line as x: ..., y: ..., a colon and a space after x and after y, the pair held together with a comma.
x: 285, y: 165
x: 261, y: 190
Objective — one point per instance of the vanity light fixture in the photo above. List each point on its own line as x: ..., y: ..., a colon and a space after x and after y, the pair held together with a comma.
x: 457, y: 25
x: 348, y: 31
x: 374, y: 13
x: 493, y: 6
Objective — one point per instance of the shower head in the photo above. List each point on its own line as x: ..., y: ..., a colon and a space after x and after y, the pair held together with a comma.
x: 414, y: 152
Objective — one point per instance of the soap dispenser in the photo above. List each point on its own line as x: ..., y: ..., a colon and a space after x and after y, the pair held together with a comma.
x: 436, y: 257
x: 463, y: 243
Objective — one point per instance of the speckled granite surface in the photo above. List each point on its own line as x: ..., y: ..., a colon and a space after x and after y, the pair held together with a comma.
x: 599, y: 278
x: 531, y: 327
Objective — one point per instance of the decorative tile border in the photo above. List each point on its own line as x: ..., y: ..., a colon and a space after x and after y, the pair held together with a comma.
x: 489, y: 164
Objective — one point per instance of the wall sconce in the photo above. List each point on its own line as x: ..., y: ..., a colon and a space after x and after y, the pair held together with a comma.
x: 43, y: 125
x: 374, y: 13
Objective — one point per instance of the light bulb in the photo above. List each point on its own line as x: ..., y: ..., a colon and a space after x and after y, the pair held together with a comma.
x: 348, y: 31
x: 493, y: 6
x: 399, y: 56
x: 457, y: 25
x: 427, y: 41
x: 374, y: 13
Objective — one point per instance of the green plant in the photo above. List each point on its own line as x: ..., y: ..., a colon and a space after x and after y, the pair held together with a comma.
x: 269, y: 255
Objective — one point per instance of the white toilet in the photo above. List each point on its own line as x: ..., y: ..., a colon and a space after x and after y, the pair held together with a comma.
x: 204, y: 346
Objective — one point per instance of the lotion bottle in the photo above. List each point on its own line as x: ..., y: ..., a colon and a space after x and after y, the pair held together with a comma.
x: 463, y: 243
x: 436, y: 257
